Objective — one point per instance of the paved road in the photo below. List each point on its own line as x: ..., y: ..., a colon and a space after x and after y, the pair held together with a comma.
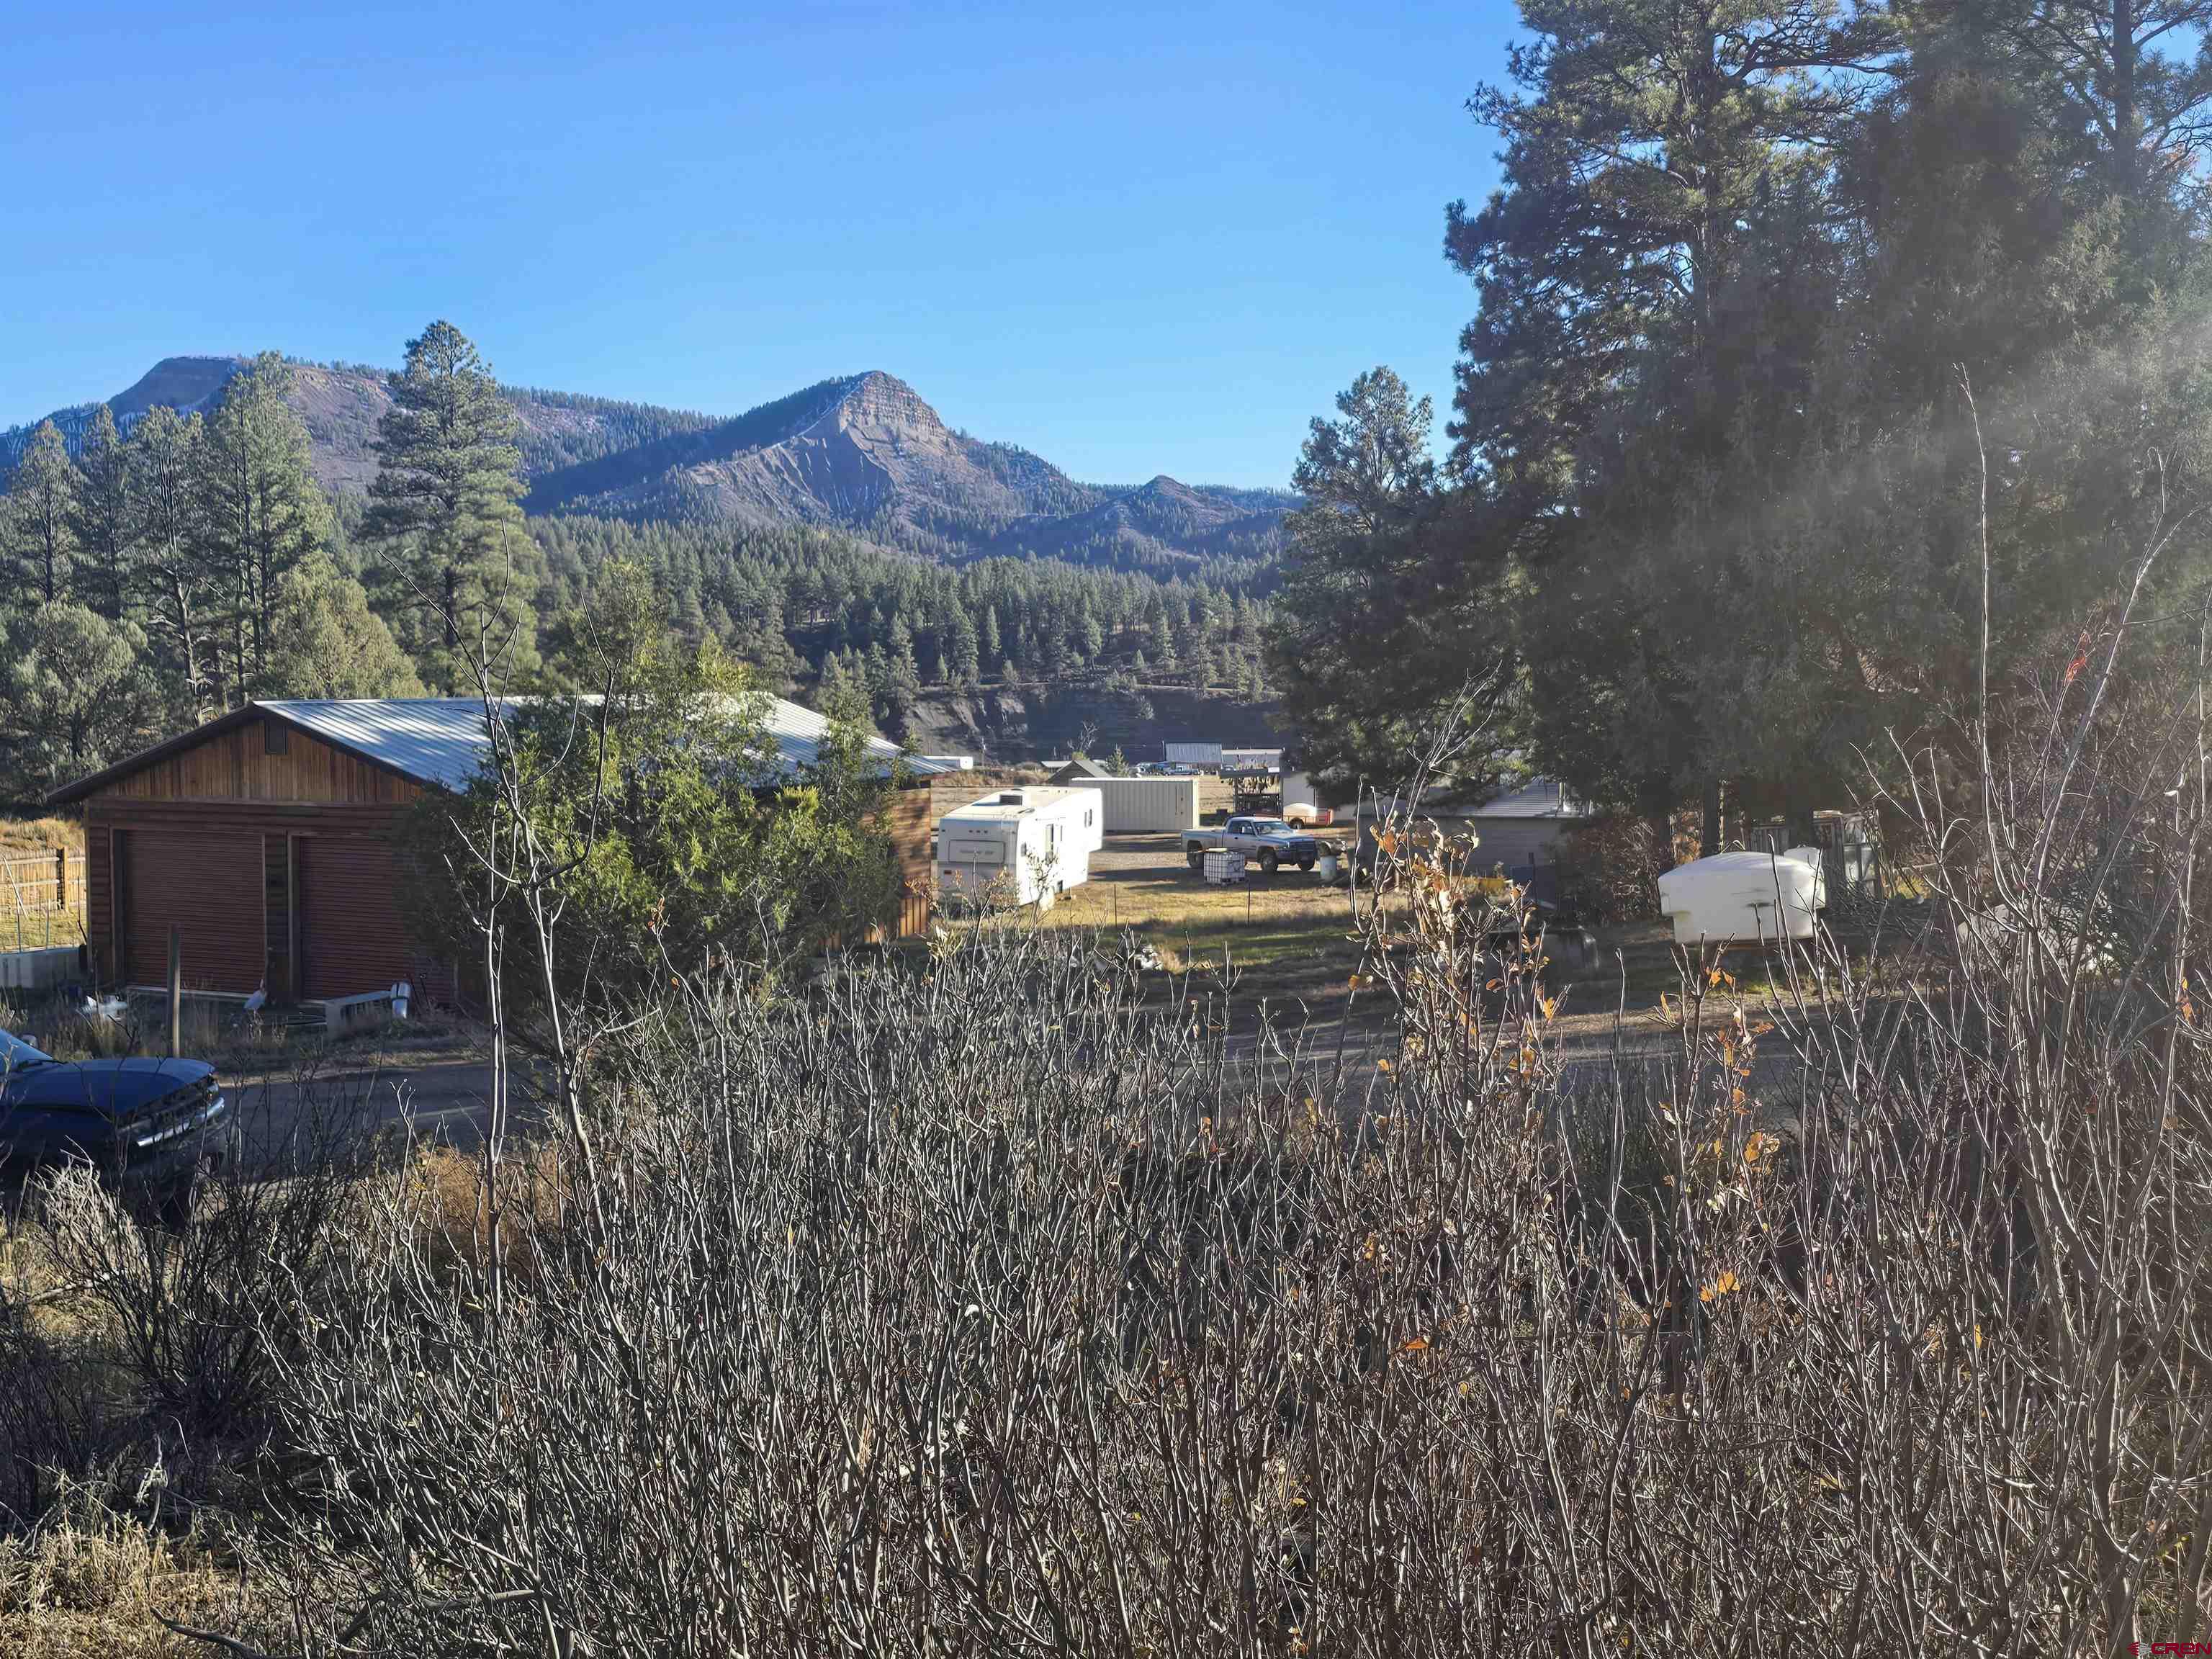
x: 446, y: 1099
x: 442, y: 1100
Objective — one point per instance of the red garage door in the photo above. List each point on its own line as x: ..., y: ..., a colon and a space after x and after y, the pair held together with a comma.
x: 208, y: 885
x: 350, y: 936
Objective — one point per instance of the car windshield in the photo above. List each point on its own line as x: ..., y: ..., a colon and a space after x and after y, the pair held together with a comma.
x: 15, y: 1052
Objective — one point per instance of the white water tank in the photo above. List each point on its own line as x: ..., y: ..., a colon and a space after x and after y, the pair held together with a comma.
x: 1741, y: 897
x: 1818, y: 861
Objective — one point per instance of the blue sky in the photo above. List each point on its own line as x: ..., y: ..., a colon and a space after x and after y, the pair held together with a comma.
x: 1136, y: 240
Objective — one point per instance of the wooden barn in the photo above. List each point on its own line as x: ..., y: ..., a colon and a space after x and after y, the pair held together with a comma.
x: 267, y: 838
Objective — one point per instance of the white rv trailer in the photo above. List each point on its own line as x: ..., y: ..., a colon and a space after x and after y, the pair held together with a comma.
x: 1020, y: 846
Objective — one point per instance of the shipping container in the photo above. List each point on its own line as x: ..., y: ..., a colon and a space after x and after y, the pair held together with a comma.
x: 1144, y: 805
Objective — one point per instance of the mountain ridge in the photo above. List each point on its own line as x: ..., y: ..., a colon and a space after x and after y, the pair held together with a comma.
x: 864, y: 453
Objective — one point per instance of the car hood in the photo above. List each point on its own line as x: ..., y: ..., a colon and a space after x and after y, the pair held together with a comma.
x: 116, y: 1087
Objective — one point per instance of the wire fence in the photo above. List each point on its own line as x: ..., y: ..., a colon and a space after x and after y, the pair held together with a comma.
x: 41, y: 901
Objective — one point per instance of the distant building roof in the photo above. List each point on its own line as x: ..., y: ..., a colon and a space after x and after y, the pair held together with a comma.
x: 1540, y: 798
x: 443, y: 741
x: 1193, y: 754
x: 1080, y: 767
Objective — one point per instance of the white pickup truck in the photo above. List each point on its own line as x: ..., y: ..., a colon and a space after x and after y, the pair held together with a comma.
x: 1267, y: 842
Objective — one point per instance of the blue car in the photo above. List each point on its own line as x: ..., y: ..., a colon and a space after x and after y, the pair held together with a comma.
x: 145, y: 1125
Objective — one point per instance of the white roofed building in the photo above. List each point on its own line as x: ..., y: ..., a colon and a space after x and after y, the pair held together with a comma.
x: 265, y: 837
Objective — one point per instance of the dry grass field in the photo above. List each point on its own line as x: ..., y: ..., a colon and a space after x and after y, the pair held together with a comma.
x: 1141, y: 884
x: 1290, y: 934
x: 41, y: 899
x: 21, y: 837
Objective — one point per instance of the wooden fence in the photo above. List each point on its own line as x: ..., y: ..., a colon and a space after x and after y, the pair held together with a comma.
x: 41, y: 901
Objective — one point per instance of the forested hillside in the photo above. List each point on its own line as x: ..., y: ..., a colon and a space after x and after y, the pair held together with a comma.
x: 340, y: 403
x: 869, y: 455
x: 164, y: 573
x: 863, y: 453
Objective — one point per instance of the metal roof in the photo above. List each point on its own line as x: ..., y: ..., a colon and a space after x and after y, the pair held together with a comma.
x: 440, y: 740
x: 1540, y: 798
x: 443, y: 741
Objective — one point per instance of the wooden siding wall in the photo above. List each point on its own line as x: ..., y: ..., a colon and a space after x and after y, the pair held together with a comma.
x: 216, y: 819
x: 907, y: 819
x: 237, y: 766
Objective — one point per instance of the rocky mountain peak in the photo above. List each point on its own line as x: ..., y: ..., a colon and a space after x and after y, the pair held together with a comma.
x: 878, y: 399
x: 862, y: 453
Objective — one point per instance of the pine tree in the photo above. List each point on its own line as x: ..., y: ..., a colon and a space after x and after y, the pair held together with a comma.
x: 1619, y: 269
x: 38, y: 519
x: 967, y: 653
x: 259, y: 513
x: 74, y: 694
x: 443, y: 510
x: 103, y: 517
x: 165, y: 455
x: 1378, y: 540
x: 326, y: 641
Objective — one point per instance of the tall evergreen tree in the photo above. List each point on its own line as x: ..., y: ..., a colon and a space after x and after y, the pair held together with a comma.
x: 1608, y: 369
x: 443, y: 510
x: 1378, y: 540
x: 103, y: 518
x: 2134, y: 75
x: 260, y: 513
x: 165, y: 454
x: 38, y: 518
